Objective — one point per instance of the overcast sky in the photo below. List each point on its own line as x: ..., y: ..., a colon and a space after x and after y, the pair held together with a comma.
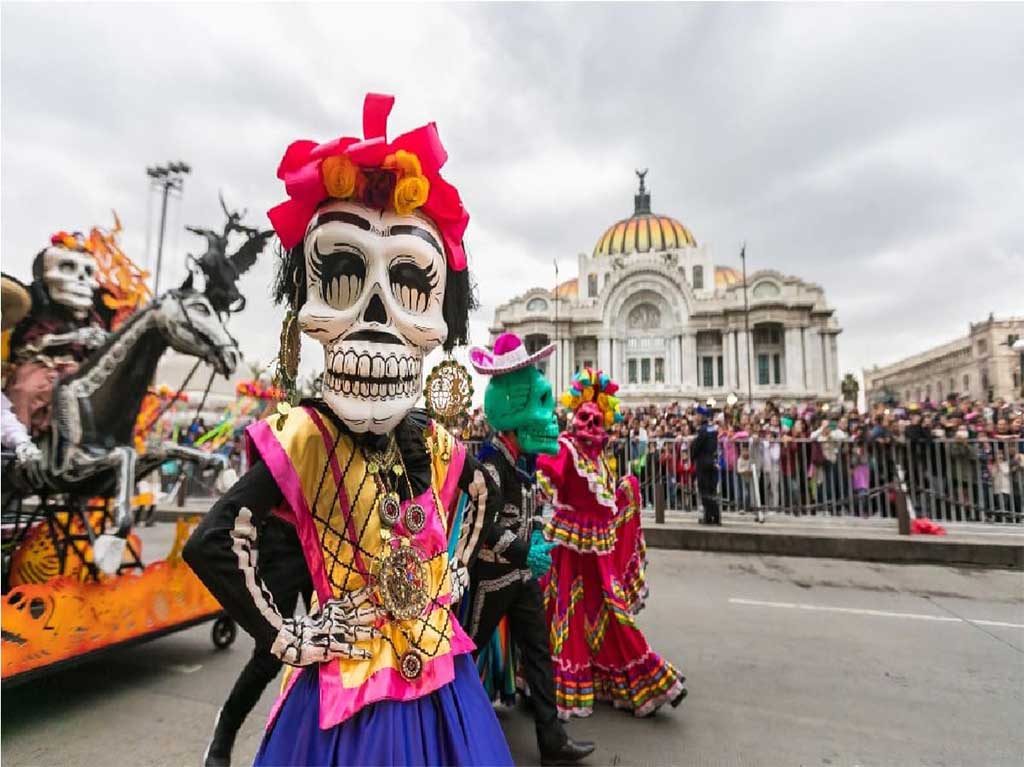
x: 877, y: 150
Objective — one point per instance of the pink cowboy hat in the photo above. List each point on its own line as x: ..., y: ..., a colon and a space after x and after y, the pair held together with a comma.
x: 509, y: 354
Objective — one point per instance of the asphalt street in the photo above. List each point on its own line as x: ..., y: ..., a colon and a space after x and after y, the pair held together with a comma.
x: 790, y: 661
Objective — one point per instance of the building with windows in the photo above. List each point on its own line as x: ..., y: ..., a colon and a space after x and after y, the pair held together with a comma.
x: 984, y: 364
x: 652, y: 309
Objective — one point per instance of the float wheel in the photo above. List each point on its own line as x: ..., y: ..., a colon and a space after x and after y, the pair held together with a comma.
x: 223, y: 633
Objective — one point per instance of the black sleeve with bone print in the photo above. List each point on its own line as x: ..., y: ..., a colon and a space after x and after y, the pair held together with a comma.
x: 250, y: 560
x: 479, y: 522
x: 226, y: 546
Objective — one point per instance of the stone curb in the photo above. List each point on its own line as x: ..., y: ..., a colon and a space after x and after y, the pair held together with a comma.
x: 902, y: 550
x: 891, y: 549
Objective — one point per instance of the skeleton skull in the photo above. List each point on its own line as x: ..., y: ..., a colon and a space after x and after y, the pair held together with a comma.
x: 588, y: 429
x: 70, y: 278
x: 375, y: 285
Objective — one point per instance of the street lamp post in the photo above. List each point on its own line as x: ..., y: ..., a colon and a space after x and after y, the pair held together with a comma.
x: 169, y: 178
x: 558, y: 347
x: 746, y: 326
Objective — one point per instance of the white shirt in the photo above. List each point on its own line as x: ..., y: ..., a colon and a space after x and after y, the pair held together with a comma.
x: 13, y: 431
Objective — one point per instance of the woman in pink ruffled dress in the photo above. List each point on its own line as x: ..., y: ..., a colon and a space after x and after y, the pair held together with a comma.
x: 596, y: 584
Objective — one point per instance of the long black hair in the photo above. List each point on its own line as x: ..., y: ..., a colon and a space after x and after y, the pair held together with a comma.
x: 289, y: 288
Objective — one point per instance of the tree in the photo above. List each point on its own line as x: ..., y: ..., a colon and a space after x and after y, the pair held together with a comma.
x: 850, y: 388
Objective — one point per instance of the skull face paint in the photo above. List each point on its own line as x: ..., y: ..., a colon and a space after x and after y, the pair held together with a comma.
x: 588, y: 429
x: 521, y: 401
x: 70, y: 278
x: 375, y: 285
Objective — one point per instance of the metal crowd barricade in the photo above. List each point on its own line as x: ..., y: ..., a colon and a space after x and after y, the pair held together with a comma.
x: 948, y: 480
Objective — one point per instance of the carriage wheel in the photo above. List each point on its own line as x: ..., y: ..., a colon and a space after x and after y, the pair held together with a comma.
x: 223, y: 632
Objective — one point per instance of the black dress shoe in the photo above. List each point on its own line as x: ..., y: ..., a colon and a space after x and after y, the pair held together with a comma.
x: 679, y: 698
x: 218, y: 753
x: 571, y: 752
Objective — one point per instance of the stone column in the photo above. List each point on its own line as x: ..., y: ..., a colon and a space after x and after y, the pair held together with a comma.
x: 690, y: 372
x: 832, y: 346
x: 746, y: 360
x: 794, y: 361
x: 815, y: 363
x: 729, y: 352
x: 604, y: 353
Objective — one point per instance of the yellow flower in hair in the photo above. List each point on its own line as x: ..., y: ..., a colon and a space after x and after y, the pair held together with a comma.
x: 410, y: 193
x: 567, y: 399
x: 340, y: 175
x: 406, y: 163
x: 588, y: 393
x: 602, y: 401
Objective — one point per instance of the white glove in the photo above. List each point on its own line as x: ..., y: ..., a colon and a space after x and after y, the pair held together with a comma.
x: 330, y: 634
x: 30, y: 460
x: 460, y: 580
x: 225, y: 480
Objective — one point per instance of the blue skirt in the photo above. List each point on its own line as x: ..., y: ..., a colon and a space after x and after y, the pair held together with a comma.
x: 454, y: 725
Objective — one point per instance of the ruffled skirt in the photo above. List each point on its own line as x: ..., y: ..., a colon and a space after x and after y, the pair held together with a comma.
x: 598, y: 652
x: 454, y: 725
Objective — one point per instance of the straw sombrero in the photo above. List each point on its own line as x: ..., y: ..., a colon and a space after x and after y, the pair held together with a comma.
x: 16, y: 301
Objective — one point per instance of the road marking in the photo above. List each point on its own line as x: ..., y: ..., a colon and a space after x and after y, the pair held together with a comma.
x: 876, y: 613
x: 184, y: 668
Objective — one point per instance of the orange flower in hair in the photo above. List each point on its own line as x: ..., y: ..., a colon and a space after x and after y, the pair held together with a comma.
x: 339, y: 174
x: 412, y: 189
x: 410, y: 194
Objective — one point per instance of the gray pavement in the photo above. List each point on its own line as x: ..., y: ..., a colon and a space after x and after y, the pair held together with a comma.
x: 790, y: 661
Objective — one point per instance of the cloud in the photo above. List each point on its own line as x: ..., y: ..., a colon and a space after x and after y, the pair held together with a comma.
x: 873, y: 149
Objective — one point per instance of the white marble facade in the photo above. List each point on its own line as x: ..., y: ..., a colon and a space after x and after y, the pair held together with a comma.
x: 650, y: 308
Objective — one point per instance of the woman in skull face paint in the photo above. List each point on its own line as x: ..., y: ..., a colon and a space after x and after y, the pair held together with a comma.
x: 596, y: 584
x: 358, y: 486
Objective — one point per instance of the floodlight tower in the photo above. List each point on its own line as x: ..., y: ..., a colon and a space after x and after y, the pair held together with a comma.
x: 169, y: 178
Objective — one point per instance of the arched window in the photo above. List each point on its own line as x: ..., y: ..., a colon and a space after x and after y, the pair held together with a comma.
x: 591, y: 285
x: 537, y: 305
x: 698, y: 277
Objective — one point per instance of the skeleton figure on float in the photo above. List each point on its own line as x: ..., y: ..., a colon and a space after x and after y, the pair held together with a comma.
x: 356, y: 489
x: 61, y: 330
x: 78, y: 389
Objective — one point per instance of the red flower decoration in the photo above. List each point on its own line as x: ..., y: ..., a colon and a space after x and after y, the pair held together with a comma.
x: 303, y: 181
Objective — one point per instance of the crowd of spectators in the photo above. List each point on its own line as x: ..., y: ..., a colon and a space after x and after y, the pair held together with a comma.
x: 961, y: 457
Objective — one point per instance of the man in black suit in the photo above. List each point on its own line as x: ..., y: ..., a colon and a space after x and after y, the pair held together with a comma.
x: 705, y: 457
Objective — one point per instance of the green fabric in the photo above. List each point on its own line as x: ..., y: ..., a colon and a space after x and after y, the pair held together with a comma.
x: 522, y: 402
x: 539, y: 557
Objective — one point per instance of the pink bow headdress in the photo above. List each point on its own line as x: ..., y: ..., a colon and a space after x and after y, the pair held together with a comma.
x: 402, y: 175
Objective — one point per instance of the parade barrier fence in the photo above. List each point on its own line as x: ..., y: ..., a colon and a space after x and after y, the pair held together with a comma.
x: 948, y: 480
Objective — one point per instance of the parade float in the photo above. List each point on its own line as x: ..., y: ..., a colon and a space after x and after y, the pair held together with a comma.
x: 81, y: 345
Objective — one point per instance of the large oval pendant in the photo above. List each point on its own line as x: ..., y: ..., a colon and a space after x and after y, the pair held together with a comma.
x: 400, y: 580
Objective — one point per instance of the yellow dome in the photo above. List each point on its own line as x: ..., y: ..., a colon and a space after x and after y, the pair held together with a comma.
x: 643, y: 232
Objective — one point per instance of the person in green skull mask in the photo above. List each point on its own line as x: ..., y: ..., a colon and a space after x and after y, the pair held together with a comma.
x: 520, y: 407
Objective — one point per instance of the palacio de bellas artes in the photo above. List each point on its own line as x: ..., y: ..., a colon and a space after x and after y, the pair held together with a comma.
x: 653, y: 309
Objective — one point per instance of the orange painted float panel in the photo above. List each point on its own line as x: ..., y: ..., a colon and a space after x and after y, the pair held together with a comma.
x: 45, y: 623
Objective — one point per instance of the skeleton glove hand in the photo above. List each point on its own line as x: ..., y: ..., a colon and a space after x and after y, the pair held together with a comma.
x: 30, y: 461
x: 92, y: 336
x: 330, y: 634
x: 460, y: 580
